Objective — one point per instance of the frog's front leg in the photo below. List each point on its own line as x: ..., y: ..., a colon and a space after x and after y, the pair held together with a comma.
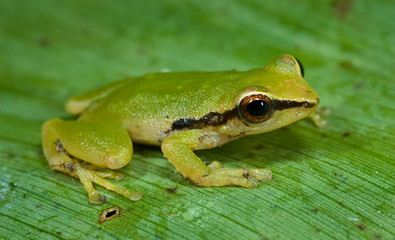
x: 178, y: 148
x: 79, y: 148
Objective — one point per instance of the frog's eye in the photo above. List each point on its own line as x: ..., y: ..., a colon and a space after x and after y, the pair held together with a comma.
x: 255, y: 108
x: 300, y: 67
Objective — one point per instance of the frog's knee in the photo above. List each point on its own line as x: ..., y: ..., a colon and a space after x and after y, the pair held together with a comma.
x: 50, y: 125
x: 119, y: 159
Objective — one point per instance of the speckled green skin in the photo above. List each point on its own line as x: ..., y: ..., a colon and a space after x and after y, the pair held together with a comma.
x: 194, y: 94
x: 156, y: 100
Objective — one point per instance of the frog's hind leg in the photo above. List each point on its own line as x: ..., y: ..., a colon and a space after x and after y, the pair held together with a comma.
x: 79, y: 148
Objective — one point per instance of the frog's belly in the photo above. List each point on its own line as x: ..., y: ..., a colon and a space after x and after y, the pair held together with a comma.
x: 148, y: 131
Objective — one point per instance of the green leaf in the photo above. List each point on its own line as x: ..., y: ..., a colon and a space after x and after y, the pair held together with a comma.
x: 332, y: 183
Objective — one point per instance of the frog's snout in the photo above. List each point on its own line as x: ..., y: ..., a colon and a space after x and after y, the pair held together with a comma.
x: 317, y: 101
x: 313, y: 103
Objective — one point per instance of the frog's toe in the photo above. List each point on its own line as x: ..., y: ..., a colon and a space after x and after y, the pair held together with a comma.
x: 318, y: 116
x: 133, y: 196
x: 110, y: 174
x: 248, y: 178
x: 87, y: 177
x: 263, y: 175
x: 96, y: 198
x: 251, y: 181
x: 215, y: 165
x: 254, y: 176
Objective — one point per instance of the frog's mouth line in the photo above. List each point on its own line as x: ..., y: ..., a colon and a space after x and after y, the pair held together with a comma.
x: 210, y: 119
x: 285, y: 104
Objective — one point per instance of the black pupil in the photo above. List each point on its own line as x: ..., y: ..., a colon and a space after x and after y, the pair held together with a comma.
x: 257, y: 108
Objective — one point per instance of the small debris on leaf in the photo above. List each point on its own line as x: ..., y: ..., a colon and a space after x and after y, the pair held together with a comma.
x: 171, y: 190
x: 109, y: 214
x: 346, y: 134
x: 362, y: 226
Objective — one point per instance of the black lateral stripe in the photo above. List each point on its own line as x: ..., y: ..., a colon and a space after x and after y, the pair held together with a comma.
x: 210, y: 119
x: 284, y: 104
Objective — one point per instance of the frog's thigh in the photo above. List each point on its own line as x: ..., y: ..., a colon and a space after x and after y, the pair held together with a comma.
x: 178, y: 148
x: 64, y: 141
x: 91, y: 142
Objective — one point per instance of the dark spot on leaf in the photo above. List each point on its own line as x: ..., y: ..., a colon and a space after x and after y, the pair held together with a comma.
x: 44, y: 42
x: 24, y: 195
x: 246, y: 175
x: 59, y: 233
x: 263, y: 238
x: 109, y: 214
x: 13, y: 184
x: 346, y: 134
x: 10, y: 155
x: 258, y: 147
x: 316, y: 229
x: 38, y: 205
x: 141, y: 50
x: 342, y: 7
x: 362, y: 226
x: 315, y: 210
x: 347, y: 65
x: 171, y: 190
x: 378, y: 236
x: 358, y: 86
x: 224, y: 11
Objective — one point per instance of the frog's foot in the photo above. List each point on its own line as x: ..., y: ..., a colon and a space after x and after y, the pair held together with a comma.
x: 88, y: 177
x: 178, y: 149
x: 66, y: 154
x: 244, y: 177
x: 318, y: 116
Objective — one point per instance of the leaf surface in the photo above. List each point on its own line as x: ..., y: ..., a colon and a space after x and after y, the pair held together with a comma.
x: 332, y: 183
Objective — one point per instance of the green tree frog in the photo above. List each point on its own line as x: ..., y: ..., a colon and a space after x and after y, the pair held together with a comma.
x: 181, y: 112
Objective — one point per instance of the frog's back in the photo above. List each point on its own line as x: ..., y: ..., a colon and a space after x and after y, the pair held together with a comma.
x: 150, y: 105
x: 154, y: 106
x: 169, y: 95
